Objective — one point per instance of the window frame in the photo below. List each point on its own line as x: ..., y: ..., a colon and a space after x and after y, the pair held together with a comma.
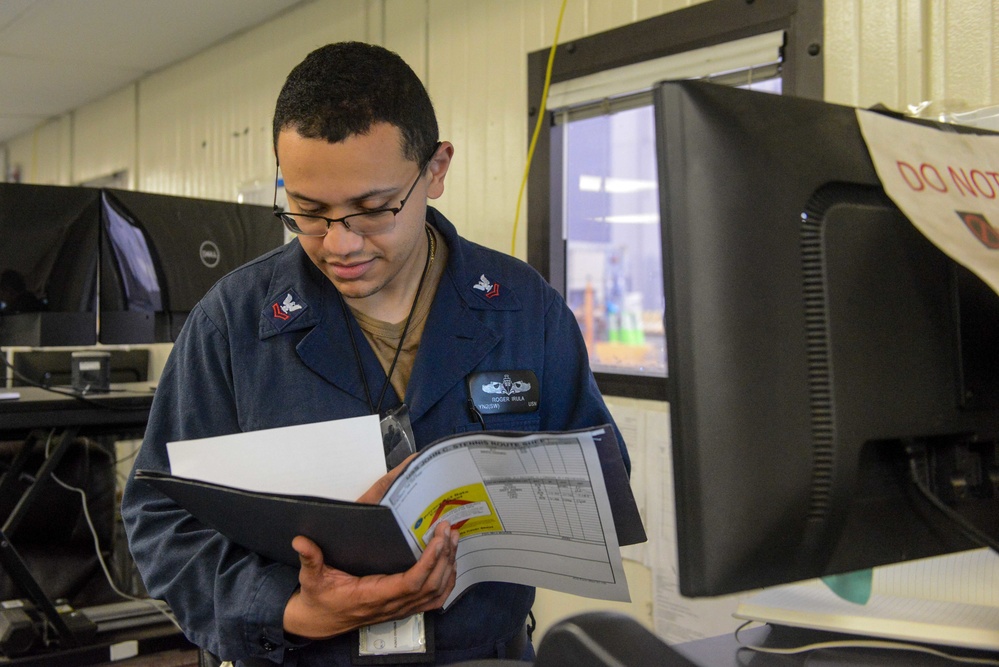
x: 703, y: 25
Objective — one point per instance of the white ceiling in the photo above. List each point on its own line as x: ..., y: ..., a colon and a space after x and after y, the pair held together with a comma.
x: 57, y: 55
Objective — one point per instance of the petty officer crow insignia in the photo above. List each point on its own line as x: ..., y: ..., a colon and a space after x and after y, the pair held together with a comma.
x: 284, y: 309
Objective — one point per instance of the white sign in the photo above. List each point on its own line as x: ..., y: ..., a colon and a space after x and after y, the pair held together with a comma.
x: 947, y: 184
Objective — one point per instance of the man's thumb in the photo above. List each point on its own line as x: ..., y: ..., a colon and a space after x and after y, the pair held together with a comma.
x: 309, y: 554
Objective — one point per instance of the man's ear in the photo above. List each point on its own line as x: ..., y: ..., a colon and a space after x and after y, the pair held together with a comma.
x: 437, y: 167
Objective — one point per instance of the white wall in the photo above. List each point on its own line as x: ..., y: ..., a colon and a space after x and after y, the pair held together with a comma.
x: 202, y: 127
x: 901, y: 52
x: 104, y: 138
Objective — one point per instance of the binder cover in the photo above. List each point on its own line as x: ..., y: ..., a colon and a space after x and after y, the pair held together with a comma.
x: 356, y: 538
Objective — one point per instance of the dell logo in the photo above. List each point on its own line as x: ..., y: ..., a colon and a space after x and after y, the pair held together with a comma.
x: 209, y: 253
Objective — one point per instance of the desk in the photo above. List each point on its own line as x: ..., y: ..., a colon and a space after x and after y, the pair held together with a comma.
x: 34, y: 417
x: 124, y: 409
x: 145, y: 641
x: 725, y: 651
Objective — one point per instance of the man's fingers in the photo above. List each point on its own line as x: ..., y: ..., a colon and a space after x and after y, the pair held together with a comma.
x: 424, y: 586
x: 436, y: 568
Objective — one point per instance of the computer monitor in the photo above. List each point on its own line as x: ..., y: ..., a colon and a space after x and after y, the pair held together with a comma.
x: 48, y: 264
x: 821, y: 351
x: 165, y: 252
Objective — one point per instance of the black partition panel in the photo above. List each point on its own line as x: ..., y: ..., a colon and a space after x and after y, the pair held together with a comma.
x: 80, y: 266
x: 48, y: 264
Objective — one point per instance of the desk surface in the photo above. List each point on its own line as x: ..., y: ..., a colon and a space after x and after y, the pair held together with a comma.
x: 725, y: 651
x: 141, y: 642
x: 125, y: 406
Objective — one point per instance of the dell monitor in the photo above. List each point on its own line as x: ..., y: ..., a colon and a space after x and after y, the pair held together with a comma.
x: 824, y: 356
x: 163, y: 253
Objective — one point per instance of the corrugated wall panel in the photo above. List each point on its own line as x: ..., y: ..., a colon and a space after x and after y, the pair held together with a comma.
x: 448, y: 64
x: 965, y: 52
x: 841, y: 55
x: 904, y: 52
x: 542, y: 16
x: 404, y: 30
x: 648, y: 8
x: 913, y: 58
x: 205, y: 124
x: 879, y: 50
x: 104, y: 137
x: 44, y: 155
x: 606, y: 14
x: 478, y: 84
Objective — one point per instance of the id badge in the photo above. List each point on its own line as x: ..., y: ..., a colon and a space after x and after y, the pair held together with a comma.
x: 504, y: 392
x: 406, y: 640
x: 398, y: 440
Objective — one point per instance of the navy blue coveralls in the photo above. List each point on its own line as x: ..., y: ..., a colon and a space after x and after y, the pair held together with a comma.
x: 241, y: 363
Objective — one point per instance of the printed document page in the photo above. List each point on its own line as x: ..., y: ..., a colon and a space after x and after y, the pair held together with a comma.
x: 531, y: 509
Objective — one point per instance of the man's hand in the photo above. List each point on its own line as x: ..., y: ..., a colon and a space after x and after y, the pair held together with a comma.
x: 330, y: 602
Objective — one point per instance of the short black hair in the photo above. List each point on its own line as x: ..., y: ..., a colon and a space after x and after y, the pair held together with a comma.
x: 341, y: 90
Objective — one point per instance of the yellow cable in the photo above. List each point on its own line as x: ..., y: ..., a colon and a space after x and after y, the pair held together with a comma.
x: 537, y: 126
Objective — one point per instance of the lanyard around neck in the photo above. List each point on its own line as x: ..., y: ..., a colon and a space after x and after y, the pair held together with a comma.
x: 377, y: 408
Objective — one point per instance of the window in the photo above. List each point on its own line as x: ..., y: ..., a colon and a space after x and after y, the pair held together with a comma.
x: 593, y: 205
x: 613, y: 250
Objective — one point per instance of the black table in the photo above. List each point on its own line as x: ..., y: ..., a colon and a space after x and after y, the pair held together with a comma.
x: 124, y: 409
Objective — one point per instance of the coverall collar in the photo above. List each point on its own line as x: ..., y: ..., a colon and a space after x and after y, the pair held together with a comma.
x: 452, y: 344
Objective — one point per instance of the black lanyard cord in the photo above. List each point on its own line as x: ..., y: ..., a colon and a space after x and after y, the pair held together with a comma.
x: 376, y: 409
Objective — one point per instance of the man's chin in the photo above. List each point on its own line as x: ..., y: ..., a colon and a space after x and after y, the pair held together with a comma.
x: 355, y: 289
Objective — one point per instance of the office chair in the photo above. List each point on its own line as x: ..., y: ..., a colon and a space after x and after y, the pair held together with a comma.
x: 603, y: 639
x: 53, y: 537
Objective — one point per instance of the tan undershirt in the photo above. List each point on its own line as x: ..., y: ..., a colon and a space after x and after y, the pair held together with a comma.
x: 384, y: 336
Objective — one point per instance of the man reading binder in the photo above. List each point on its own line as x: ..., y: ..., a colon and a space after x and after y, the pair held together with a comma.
x: 377, y: 307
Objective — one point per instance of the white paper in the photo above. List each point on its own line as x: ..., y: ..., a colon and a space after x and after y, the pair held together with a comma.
x: 338, y: 459
x: 947, y: 184
x: 951, y: 599
x: 969, y: 577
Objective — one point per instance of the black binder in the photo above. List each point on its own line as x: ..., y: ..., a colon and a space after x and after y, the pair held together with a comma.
x: 358, y: 538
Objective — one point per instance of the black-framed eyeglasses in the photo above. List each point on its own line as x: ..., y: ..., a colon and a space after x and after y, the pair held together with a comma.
x: 377, y: 221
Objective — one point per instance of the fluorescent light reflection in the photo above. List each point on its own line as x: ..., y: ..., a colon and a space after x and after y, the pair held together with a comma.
x: 633, y: 219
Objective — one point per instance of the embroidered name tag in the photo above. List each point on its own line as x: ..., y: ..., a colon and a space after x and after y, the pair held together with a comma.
x: 499, y: 392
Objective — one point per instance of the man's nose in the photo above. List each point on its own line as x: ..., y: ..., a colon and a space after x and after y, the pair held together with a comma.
x: 340, y: 240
